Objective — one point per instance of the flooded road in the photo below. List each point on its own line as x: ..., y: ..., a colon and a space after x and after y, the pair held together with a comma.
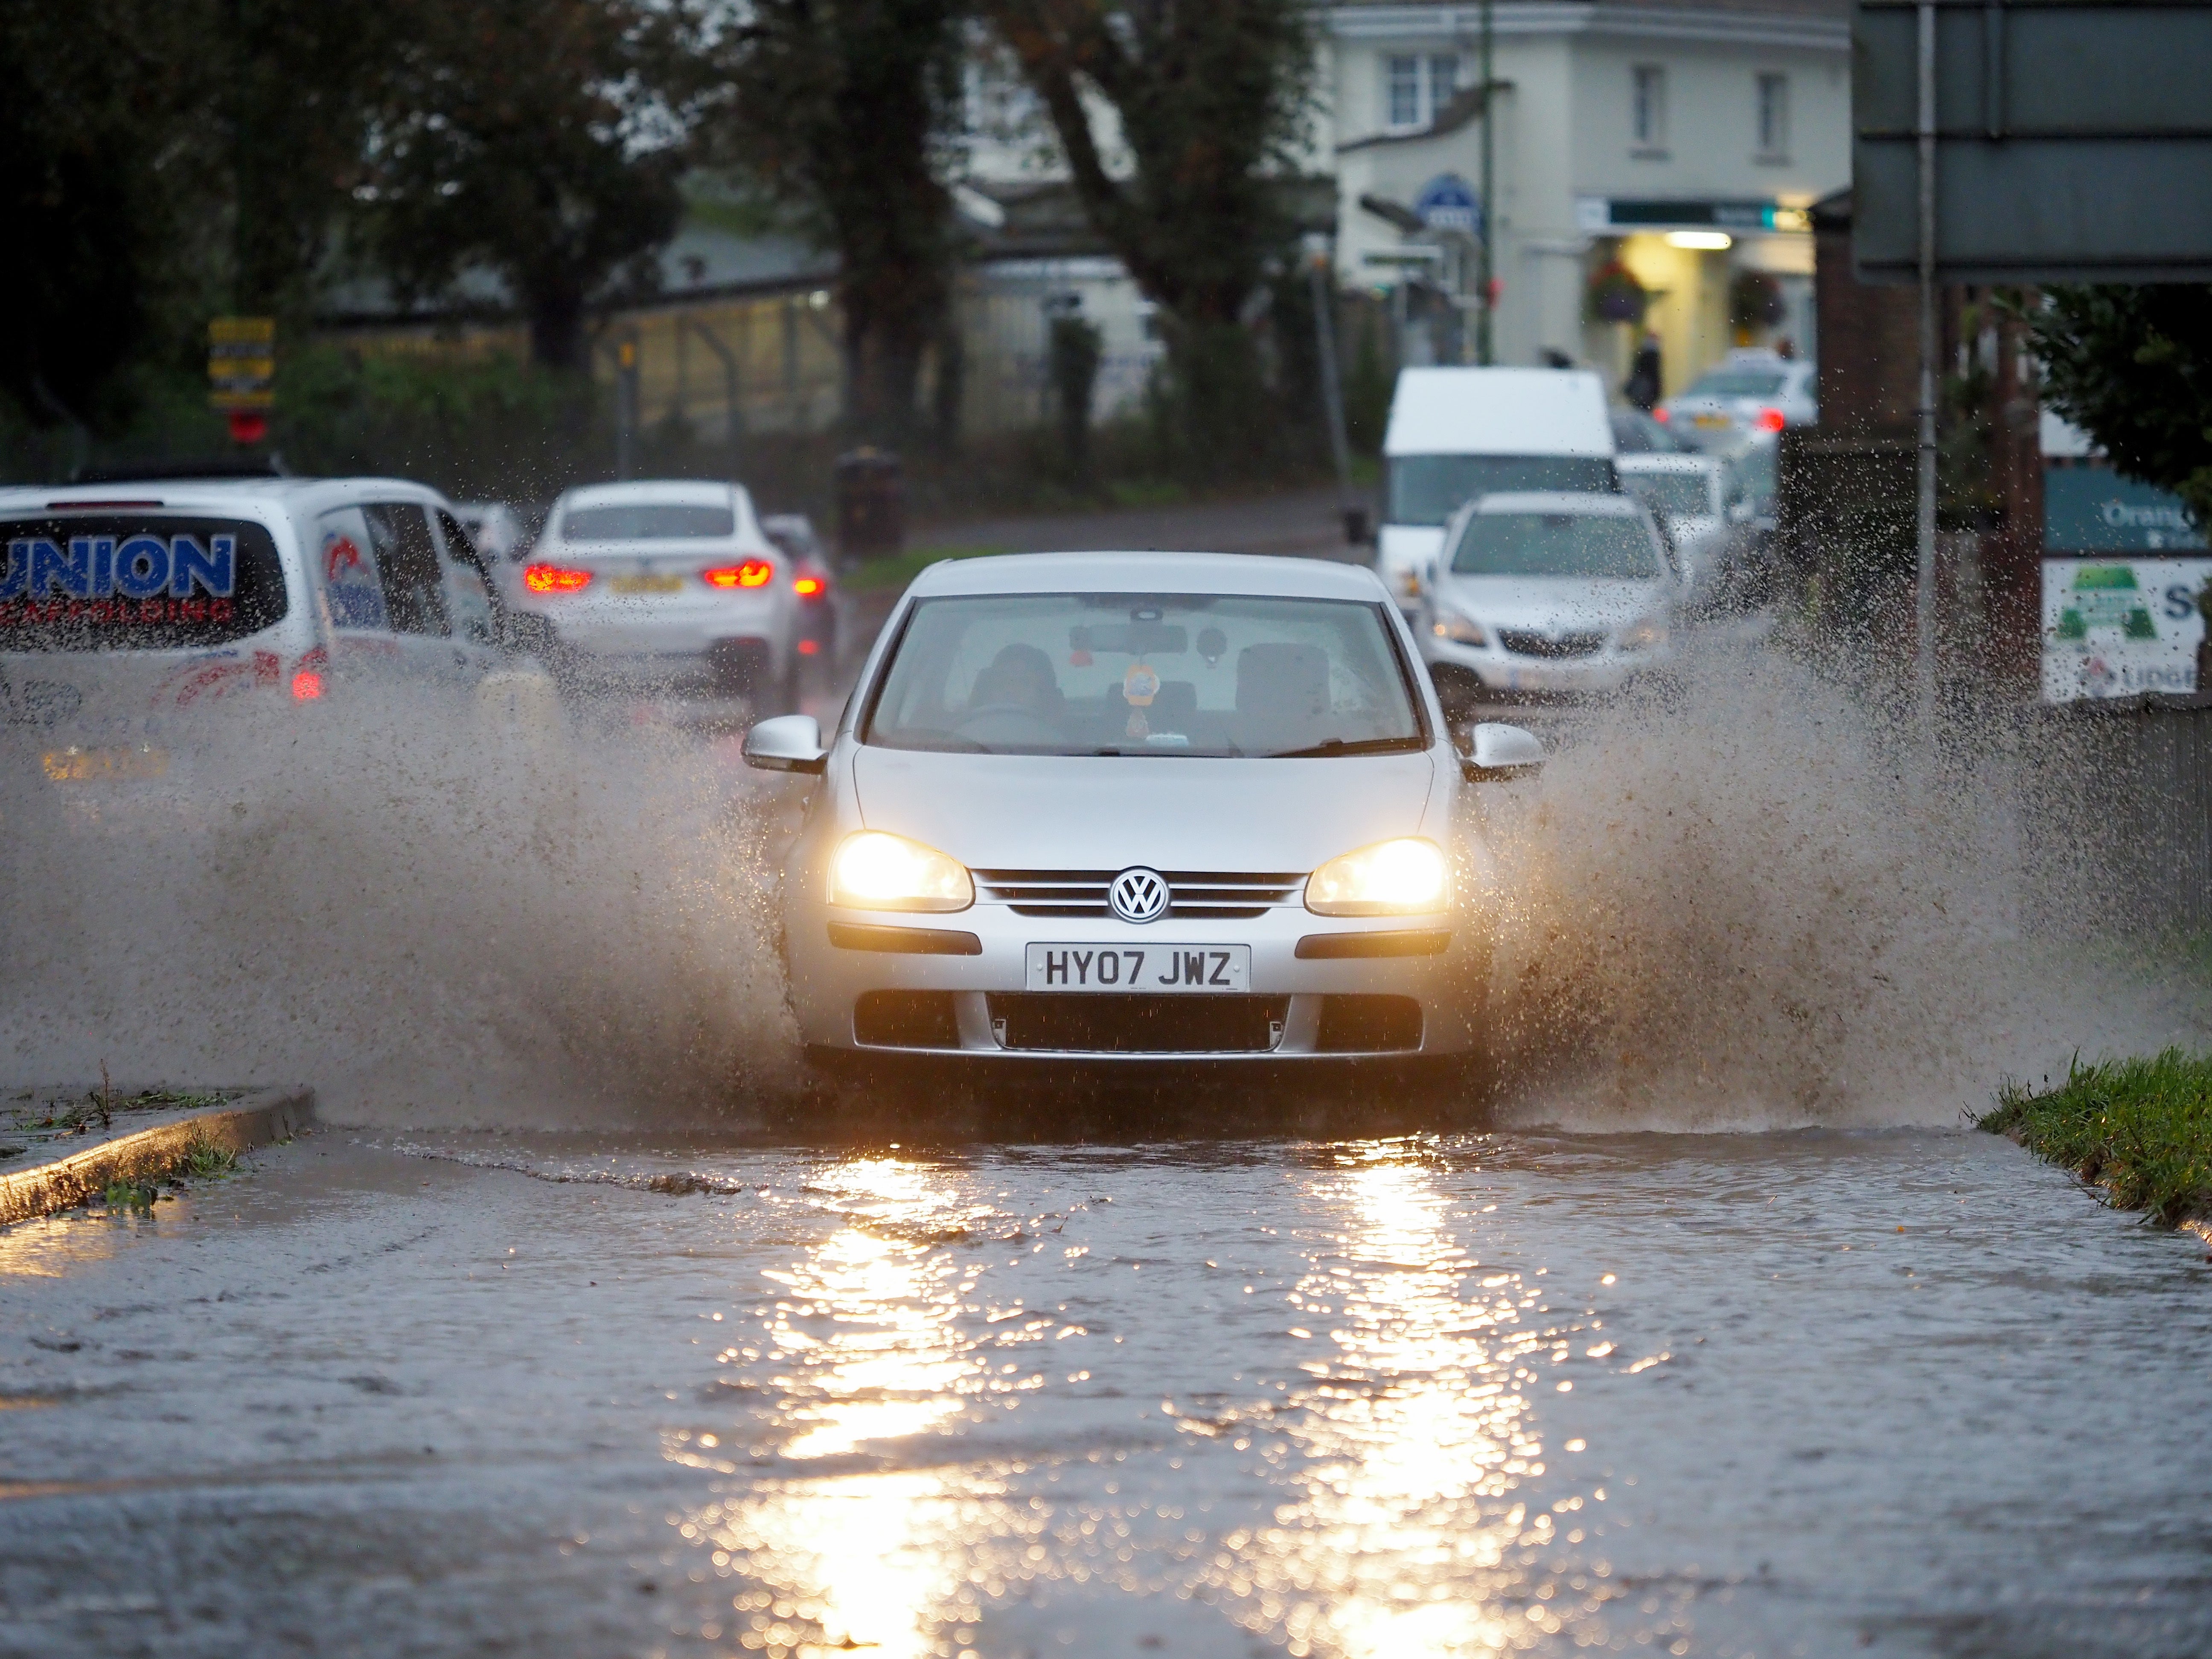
x: 1817, y: 1393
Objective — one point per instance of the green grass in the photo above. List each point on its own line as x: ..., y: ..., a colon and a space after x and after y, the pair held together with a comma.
x: 207, y: 1159
x: 2140, y: 1128
x: 128, y: 1194
x: 876, y: 574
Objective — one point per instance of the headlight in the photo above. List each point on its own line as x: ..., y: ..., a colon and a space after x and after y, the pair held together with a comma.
x: 876, y: 871
x: 1407, y: 877
x: 1643, y: 636
x: 1459, y: 631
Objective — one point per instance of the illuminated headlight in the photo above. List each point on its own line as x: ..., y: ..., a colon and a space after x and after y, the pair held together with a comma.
x: 1408, y: 876
x: 1646, y: 635
x: 877, y: 871
x: 1459, y: 631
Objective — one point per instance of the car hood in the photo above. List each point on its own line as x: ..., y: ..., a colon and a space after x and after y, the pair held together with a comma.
x: 1553, y: 605
x: 1055, y: 812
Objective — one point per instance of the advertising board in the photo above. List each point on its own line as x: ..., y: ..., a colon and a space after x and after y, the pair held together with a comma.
x: 2120, y: 627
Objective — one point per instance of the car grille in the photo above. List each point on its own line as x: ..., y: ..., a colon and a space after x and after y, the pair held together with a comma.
x: 1195, y: 896
x: 1522, y: 643
x: 1106, y: 1023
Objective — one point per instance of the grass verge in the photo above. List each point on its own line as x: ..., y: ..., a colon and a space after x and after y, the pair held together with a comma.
x: 2140, y: 1128
x: 876, y: 574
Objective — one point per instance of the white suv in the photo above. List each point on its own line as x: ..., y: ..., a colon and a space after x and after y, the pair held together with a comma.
x: 122, y: 603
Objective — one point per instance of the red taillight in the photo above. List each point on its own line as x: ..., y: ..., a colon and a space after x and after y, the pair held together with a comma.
x: 807, y: 586
x: 306, y: 685
x: 753, y: 572
x: 1770, y: 419
x: 1659, y: 415
x: 810, y: 647
x: 555, y: 578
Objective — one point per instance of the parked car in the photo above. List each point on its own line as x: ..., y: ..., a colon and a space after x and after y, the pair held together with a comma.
x: 668, y: 587
x: 1698, y: 502
x: 1635, y: 433
x: 1550, y: 594
x: 127, y: 609
x: 1123, y: 807
x: 1456, y: 433
x: 1752, y: 390
x: 820, y: 600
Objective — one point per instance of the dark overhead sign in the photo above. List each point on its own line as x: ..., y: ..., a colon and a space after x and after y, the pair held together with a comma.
x: 2073, y: 141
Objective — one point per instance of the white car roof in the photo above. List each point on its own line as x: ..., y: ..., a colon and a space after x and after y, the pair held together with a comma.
x: 672, y: 491
x: 1151, y: 573
x: 1499, y: 411
x: 1669, y: 461
x: 1587, y: 503
x: 218, y: 494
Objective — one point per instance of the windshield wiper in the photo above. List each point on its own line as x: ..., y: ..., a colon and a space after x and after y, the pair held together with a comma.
x: 1341, y: 746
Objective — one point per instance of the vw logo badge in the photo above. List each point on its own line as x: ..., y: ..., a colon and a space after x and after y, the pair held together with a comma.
x: 1138, y: 894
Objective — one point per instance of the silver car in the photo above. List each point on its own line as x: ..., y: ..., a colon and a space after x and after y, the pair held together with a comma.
x: 1750, y: 390
x: 1132, y: 806
x: 1550, y: 594
x: 667, y: 587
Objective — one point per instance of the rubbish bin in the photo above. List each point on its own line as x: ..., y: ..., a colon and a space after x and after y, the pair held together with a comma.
x: 870, y: 490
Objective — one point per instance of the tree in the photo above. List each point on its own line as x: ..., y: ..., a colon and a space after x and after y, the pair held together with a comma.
x: 543, y: 139
x: 2132, y: 366
x: 1211, y: 100
x: 846, y: 109
x: 101, y: 182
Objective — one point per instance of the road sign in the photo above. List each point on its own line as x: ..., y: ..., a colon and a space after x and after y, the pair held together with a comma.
x: 242, y: 363
x: 1448, y: 201
x: 2073, y: 140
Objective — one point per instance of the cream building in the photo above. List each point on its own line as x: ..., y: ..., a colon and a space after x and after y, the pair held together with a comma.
x: 1683, y: 141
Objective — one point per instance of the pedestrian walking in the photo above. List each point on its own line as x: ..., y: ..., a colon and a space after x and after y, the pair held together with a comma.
x: 1642, y: 386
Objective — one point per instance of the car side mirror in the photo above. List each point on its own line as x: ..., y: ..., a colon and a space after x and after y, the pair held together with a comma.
x: 1498, y: 754
x: 789, y: 742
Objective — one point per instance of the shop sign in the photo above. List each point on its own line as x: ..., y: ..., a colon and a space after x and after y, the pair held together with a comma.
x: 2093, y: 509
x: 2122, y: 627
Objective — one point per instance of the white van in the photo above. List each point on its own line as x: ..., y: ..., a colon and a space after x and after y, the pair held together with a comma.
x: 129, y: 609
x: 1456, y: 434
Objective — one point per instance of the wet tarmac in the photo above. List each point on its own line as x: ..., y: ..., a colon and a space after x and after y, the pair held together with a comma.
x: 1900, y: 1392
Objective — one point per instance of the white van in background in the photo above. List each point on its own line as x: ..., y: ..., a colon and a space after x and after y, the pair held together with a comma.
x: 1456, y: 433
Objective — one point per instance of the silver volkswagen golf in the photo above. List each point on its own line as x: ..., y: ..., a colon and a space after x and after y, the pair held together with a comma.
x: 1129, y: 806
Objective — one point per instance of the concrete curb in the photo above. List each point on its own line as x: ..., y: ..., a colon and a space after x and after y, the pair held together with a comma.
x: 262, y: 1116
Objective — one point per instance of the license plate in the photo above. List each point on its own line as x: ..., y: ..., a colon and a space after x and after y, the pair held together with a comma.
x: 86, y: 765
x: 1710, y: 420
x: 647, y: 585
x: 1159, y: 970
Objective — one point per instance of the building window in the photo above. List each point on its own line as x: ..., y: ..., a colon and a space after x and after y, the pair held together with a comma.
x: 1443, y: 83
x: 1416, y: 90
x: 1773, y: 116
x: 1404, y: 78
x: 1648, y: 111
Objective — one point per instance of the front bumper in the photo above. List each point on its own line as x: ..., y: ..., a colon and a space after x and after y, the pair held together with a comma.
x: 962, y: 991
x: 1498, y: 670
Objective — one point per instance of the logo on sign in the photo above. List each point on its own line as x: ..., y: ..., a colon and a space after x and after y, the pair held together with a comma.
x: 1448, y: 201
x: 1138, y: 894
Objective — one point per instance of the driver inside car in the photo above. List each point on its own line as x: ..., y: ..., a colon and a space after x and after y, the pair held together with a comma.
x: 1015, y: 699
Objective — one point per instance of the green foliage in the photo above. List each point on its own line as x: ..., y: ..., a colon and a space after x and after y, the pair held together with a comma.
x: 2132, y: 366
x: 2142, y: 1128
x: 847, y: 112
x: 207, y: 1161
x: 1212, y: 101
x: 1368, y: 384
x: 542, y: 138
x: 129, y: 1193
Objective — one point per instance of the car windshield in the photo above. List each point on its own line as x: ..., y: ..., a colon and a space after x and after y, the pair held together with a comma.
x: 1430, y: 489
x: 1735, y: 383
x: 1143, y: 674
x: 1585, y: 544
x: 1755, y: 472
x: 647, y: 521
x: 1676, y: 494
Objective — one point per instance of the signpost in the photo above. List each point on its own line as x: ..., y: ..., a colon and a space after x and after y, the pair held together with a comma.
x: 2024, y: 141
x: 242, y: 374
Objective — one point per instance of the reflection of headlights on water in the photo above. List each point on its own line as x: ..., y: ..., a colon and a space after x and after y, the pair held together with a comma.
x: 877, y: 871
x: 1644, y: 635
x: 1392, y: 878
x: 1459, y: 631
